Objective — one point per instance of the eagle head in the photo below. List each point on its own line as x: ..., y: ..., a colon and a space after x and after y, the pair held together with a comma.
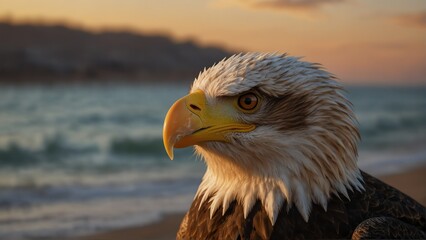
x: 270, y: 127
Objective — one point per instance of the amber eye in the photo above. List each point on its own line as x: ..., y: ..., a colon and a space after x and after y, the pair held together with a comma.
x: 247, y: 101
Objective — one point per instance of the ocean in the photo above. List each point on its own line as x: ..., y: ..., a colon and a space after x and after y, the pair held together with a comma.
x: 79, y: 159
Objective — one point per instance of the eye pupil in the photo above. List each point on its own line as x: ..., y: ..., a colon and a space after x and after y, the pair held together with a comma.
x: 247, y: 101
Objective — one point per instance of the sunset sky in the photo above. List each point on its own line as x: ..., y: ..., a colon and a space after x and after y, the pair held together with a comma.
x: 361, y: 41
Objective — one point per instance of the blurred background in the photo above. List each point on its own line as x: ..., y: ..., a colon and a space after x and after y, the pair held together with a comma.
x: 85, y: 85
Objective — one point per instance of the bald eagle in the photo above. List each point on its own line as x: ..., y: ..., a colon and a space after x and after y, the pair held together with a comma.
x: 279, y: 139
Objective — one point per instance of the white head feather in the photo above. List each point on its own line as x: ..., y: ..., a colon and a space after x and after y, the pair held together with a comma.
x: 282, y: 160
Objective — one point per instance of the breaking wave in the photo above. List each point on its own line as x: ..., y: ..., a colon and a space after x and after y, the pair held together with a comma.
x: 129, y: 146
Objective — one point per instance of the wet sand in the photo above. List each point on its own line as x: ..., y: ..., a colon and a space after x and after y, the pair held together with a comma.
x: 412, y: 182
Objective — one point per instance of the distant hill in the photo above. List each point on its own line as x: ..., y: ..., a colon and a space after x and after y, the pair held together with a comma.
x: 30, y: 52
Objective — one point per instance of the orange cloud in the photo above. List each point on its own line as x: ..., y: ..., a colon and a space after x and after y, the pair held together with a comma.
x: 412, y: 20
x: 291, y: 4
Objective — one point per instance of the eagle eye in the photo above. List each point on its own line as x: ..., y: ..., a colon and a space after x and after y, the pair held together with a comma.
x: 248, y: 101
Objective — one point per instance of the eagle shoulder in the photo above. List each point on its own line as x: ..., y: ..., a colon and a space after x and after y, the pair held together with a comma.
x: 386, y: 228
x: 386, y: 201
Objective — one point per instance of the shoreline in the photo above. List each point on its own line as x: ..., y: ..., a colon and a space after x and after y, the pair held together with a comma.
x: 164, y: 229
x: 410, y: 181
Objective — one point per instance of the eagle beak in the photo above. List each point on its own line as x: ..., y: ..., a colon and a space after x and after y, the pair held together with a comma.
x: 191, y: 120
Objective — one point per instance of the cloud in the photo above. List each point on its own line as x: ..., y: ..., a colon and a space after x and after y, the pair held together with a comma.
x: 308, y: 9
x: 291, y: 4
x: 413, y: 20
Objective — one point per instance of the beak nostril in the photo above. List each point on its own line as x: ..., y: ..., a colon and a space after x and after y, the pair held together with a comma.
x: 194, y: 107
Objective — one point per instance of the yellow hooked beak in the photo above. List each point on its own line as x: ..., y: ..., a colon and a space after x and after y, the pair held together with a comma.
x: 190, y: 121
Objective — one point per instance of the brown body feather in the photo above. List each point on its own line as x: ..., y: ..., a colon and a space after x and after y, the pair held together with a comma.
x: 381, y: 211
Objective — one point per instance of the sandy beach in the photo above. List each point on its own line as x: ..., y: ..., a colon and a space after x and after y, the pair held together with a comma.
x: 410, y: 182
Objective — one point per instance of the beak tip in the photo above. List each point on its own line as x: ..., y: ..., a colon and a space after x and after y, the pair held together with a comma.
x: 169, y: 150
x: 171, y: 155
